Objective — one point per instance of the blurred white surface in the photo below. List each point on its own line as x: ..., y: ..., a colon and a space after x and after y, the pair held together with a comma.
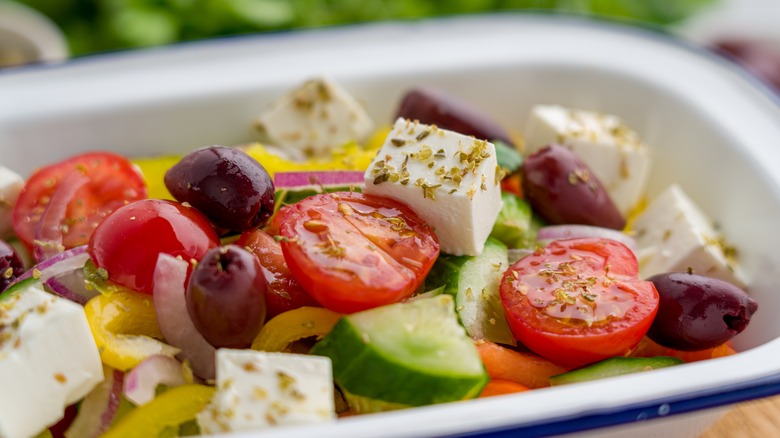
x: 27, y: 36
x: 752, y: 19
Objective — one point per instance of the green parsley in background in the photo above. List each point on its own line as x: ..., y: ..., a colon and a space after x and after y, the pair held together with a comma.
x: 103, y: 25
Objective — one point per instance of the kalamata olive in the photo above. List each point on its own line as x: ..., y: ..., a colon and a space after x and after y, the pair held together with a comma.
x: 760, y: 57
x: 563, y: 190
x: 697, y: 312
x: 226, y: 297
x: 231, y: 188
x: 435, y: 107
x: 11, y: 265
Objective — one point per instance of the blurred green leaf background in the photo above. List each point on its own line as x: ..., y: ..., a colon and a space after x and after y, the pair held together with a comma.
x: 103, y: 25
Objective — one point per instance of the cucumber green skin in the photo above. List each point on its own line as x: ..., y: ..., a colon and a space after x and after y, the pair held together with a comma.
x: 365, y: 405
x: 365, y: 371
x: 507, y: 156
x: 515, y: 226
x: 615, y: 366
x: 16, y: 287
x: 291, y: 196
x: 456, y: 274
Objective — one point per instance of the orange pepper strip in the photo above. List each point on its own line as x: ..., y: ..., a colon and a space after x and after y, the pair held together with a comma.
x: 501, y: 387
x: 648, y: 348
x: 286, y: 328
x: 527, y: 369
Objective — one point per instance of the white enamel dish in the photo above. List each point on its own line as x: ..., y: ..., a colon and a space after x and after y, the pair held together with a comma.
x: 714, y: 130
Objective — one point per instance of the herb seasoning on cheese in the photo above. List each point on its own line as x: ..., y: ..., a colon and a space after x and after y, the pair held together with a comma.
x: 449, y: 179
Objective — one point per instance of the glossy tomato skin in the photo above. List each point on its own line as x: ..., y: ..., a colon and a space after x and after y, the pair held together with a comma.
x: 113, y: 182
x: 578, y: 301
x: 284, y: 292
x: 128, y: 242
x: 353, y: 252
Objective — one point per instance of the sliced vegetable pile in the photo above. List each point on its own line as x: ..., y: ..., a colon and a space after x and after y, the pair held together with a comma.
x: 435, y: 263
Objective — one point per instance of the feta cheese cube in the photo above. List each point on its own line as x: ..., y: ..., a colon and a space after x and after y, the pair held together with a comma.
x: 673, y: 235
x: 258, y: 389
x: 450, y: 180
x: 10, y: 186
x: 610, y: 148
x: 48, y: 360
x: 315, y: 118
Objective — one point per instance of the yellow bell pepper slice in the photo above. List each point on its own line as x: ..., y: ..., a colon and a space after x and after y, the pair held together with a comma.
x: 124, y: 325
x: 350, y: 156
x: 153, y: 170
x: 284, y: 329
x: 170, y: 409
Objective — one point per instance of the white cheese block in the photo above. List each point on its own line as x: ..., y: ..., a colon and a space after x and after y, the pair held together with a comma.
x: 315, y: 118
x: 450, y: 180
x: 256, y: 390
x: 610, y: 148
x: 674, y: 235
x: 48, y: 360
x: 10, y: 186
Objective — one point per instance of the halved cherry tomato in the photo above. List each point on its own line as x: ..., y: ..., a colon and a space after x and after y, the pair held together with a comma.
x: 126, y: 244
x: 112, y: 182
x: 578, y: 301
x: 283, y: 293
x: 352, y: 251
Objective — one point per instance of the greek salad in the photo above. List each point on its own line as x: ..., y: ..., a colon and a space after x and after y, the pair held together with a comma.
x: 339, y: 268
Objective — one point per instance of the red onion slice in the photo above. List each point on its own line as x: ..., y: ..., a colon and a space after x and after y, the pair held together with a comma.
x: 170, y: 277
x: 48, y: 231
x: 99, y: 407
x: 63, y: 274
x: 558, y: 232
x: 57, y: 264
x: 141, y: 383
x: 71, y: 286
x: 286, y: 180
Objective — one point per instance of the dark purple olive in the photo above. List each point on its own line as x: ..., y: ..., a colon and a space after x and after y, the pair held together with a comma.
x: 435, y: 107
x: 11, y: 265
x: 697, y: 312
x: 231, y: 188
x: 759, y: 57
x: 226, y: 297
x: 563, y: 190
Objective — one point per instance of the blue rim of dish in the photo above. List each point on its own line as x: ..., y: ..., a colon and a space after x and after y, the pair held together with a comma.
x: 638, y: 412
x: 585, y: 420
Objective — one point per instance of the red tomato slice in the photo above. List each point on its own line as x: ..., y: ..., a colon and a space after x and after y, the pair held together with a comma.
x: 129, y: 241
x: 352, y: 251
x: 578, y: 301
x: 112, y: 181
x: 283, y: 293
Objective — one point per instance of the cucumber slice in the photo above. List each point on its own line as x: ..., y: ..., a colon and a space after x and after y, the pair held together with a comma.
x: 429, y: 294
x: 405, y: 354
x: 515, y: 226
x: 615, y: 366
x: 16, y: 287
x: 473, y: 282
x: 507, y: 156
x: 365, y: 405
x: 292, y: 195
